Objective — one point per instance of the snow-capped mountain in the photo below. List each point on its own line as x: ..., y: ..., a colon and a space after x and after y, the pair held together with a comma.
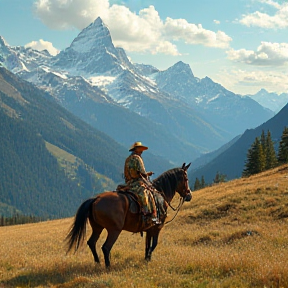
x: 17, y: 59
x: 92, y: 53
x: 217, y: 104
x: 273, y: 101
x: 175, y: 113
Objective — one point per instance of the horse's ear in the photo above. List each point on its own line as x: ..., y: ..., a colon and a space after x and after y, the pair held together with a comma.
x: 183, y: 166
x: 186, y: 168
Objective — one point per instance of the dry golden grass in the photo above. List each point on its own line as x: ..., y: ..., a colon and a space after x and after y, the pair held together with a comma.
x: 230, y: 235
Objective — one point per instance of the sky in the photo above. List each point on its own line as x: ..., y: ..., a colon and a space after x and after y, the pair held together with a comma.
x: 240, y: 44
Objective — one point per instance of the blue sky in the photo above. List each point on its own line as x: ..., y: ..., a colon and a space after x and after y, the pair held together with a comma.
x: 241, y: 44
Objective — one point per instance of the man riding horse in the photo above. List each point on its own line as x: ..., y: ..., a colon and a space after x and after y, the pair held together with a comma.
x: 137, y: 180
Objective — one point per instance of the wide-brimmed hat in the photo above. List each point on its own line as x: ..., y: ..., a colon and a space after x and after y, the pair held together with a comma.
x: 137, y: 144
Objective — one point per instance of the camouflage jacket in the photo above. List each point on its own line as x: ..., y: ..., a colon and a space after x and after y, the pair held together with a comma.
x: 134, y: 167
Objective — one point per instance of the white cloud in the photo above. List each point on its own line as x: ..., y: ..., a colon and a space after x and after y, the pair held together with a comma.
x: 135, y: 32
x: 250, y: 82
x: 216, y: 22
x: 43, y: 45
x: 267, y: 54
x: 67, y: 14
x: 271, y: 3
x: 142, y: 32
x: 167, y: 48
x: 180, y: 29
x: 264, y: 20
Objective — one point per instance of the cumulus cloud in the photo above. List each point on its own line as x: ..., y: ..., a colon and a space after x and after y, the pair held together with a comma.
x: 264, y: 20
x: 43, y: 45
x: 68, y: 14
x: 142, y: 32
x: 267, y: 54
x: 249, y: 82
x: 180, y: 29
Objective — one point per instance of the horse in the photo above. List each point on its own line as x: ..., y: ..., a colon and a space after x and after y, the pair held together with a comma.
x: 110, y: 211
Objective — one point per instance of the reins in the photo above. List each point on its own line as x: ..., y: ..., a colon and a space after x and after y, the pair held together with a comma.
x: 178, y: 209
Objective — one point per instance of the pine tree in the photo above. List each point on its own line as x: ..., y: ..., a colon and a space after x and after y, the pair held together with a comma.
x: 271, y: 158
x: 197, y: 184
x: 263, y: 141
x: 255, y: 162
x: 219, y: 178
x: 283, y: 147
x: 203, y: 184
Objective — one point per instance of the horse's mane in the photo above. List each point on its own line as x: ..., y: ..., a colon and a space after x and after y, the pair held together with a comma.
x: 167, y: 181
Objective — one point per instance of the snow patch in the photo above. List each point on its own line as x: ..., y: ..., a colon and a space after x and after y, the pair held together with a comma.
x: 101, y: 80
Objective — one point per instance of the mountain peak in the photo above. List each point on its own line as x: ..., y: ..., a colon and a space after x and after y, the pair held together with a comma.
x: 262, y: 91
x: 97, y: 22
x: 3, y: 45
x: 97, y: 33
x: 2, y: 41
x: 92, y: 52
x: 181, y: 68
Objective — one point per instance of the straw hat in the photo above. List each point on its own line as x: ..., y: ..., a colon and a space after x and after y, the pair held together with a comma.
x: 138, y: 144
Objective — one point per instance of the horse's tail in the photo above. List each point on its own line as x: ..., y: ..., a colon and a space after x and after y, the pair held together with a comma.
x: 77, y: 231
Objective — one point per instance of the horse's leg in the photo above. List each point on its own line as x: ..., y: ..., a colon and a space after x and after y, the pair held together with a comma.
x: 107, y: 246
x: 147, y: 246
x: 151, y: 248
x: 92, y: 242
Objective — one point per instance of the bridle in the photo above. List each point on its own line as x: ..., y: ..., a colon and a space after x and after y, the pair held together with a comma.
x: 185, y: 194
x: 186, y: 191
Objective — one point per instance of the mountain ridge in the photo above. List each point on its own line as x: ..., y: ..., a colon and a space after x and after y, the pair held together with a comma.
x: 272, y: 101
x: 82, y: 77
x: 230, y: 161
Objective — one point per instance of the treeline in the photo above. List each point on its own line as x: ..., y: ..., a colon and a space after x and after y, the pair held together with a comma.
x: 200, y: 184
x: 262, y: 156
x: 17, y: 219
x: 30, y: 177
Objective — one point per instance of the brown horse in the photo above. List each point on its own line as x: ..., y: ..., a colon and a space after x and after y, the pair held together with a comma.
x: 110, y: 211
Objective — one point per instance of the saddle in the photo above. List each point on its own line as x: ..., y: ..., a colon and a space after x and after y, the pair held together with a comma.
x: 135, y: 206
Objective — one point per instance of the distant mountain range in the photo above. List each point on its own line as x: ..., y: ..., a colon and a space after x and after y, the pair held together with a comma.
x: 272, y: 101
x: 230, y: 159
x: 177, y: 114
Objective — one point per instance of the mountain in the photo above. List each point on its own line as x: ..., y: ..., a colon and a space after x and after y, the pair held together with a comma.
x: 33, y: 179
x: 124, y: 83
x: 50, y: 159
x: 178, y: 115
x: 92, y: 103
x: 272, y: 101
x: 219, y: 106
x: 232, y: 160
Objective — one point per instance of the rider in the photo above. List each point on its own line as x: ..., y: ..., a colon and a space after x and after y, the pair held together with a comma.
x: 137, y: 179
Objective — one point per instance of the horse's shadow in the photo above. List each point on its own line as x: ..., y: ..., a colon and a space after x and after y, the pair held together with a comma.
x: 58, y: 275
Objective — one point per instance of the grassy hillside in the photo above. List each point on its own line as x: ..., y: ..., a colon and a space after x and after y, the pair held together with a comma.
x: 230, y: 235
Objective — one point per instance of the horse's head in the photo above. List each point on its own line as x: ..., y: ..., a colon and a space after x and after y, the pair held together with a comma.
x: 183, y: 186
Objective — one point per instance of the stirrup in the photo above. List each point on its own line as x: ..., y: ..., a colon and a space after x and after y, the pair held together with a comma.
x: 156, y: 221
